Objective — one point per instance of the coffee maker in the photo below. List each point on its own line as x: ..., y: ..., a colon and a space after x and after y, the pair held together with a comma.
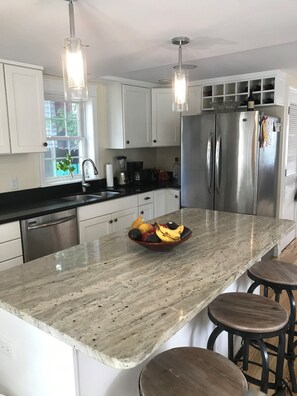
x: 134, y: 171
x: 122, y: 171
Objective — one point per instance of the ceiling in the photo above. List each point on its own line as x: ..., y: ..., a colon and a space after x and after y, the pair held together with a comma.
x: 132, y: 38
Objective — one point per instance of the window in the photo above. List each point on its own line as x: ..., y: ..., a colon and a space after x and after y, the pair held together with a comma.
x: 70, y: 130
x: 64, y: 131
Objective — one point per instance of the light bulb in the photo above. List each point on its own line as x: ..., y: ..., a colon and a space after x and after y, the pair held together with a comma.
x: 180, y: 90
x: 74, y: 71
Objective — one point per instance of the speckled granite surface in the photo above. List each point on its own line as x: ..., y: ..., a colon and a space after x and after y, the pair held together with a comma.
x: 118, y: 302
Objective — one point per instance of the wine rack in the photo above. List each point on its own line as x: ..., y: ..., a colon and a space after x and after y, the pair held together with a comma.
x: 268, y: 90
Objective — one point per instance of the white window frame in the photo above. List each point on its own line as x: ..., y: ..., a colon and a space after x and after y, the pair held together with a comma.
x: 53, y: 89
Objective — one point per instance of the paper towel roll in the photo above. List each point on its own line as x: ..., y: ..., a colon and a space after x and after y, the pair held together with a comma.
x: 109, y: 175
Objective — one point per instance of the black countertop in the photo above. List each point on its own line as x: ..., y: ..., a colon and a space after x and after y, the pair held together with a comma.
x: 24, y: 204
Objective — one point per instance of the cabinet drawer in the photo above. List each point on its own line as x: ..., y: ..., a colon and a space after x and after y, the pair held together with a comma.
x: 103, y: 208
x: 11, y: 249
x: 145, y: 198
x: 9, y: 231
x: 11, y: 263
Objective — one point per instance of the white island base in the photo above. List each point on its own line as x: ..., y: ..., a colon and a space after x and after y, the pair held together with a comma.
x: 34, y: 363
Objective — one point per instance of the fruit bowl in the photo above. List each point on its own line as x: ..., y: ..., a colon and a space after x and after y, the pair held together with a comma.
x: 163, y: 246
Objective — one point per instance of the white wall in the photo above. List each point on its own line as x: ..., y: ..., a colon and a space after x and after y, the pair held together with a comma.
x: 26, y: 167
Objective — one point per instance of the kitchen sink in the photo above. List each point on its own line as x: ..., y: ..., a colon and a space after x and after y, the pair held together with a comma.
x: 106, y: 194
x: 83, y: 197
x: 97, y: 196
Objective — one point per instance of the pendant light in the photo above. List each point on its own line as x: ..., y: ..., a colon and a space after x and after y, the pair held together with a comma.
x: 74, y: 64
x: 180, y: 79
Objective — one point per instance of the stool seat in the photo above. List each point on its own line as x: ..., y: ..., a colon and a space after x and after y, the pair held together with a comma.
x: 191, y: 371
x: 249, y: 313
x: 274, y: 271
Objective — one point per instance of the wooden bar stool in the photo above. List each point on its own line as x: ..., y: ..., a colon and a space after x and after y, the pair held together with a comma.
x: 279, y: 276
x: 253, y: 318
x: 191, y: 371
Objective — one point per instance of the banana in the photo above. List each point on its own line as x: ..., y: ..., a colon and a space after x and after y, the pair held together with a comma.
x: 167, y: 235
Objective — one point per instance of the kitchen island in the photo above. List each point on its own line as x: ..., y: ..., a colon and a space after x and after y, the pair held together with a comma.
x: 114, y: 303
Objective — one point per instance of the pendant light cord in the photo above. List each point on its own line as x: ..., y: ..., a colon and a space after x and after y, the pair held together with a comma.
x: 180, y: 56
x: 71, y: 19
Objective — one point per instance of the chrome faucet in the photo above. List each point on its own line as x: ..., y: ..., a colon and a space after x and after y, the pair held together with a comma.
x: 83, y: 176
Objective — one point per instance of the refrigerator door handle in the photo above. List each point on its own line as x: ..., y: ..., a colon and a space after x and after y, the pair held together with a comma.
x: 218, y: 163
x: 209, y: 154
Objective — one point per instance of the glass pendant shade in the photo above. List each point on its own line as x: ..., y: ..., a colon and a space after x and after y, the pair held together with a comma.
x: 74, y: 71
x: 180, y: 83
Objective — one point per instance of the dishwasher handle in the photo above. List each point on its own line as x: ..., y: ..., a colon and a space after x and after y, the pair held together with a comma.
x: 51, y: 223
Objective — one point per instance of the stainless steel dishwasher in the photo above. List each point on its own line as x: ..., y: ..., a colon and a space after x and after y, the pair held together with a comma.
x: 48, y: 234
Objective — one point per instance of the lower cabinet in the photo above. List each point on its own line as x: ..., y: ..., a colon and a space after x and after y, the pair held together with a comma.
x: 11, y: 253
x: 166, y: 200
x: 146, y: 205
x: 103, y: 218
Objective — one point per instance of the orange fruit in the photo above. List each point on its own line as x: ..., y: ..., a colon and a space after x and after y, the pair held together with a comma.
x: 145, y: 227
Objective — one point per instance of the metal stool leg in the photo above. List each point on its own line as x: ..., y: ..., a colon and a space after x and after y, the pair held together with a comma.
x: 280, y: 362
x: 291, y: 347
x: 265, y: 366
x: 212, y: 338
x: 245, y: 357
x: 253, y: 287
x: 230, y: 347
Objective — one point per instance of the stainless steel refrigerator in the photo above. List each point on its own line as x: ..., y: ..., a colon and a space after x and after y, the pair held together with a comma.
x: 229, y: 162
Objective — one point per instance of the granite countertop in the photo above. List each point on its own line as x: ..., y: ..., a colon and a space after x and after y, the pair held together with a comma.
x: 118, y: 302
x: 24, y: 204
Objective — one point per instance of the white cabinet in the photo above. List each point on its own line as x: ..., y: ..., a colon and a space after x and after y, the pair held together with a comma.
x: 165, y: 122
x: 268, y: 89
x: 194, y: 101
x: 172, y: 200
x: 4, y: 128
x: 146, y: 205
x: 10, y: 245
x: 103, y: 218
x: 128, y: 116
x: 166, y: 200
x: 22, y: 99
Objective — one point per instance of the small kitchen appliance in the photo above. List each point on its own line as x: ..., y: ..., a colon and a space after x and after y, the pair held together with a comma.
x: 122, y: 173
x: 134, y: 169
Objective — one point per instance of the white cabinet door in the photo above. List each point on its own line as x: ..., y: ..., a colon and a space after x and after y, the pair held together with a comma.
x: 92, y: 229
x: 172, y: 200
x: 4, y: 128
x: 159, y: 202
x: 137, y: 116
x: 128, y: 116
x: 165, y: 122
x: 25, y: 103
x: 123, y: 219
x: 146, y: 212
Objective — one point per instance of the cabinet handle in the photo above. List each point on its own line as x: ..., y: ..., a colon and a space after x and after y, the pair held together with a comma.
x: 155, y: 141
x: 176, y: 196
x: 115, y: 220
x: 45, y: 144
x: 146, y: 198
x: 110, y: 221
x: 142, y: 212
x: 127, y: 141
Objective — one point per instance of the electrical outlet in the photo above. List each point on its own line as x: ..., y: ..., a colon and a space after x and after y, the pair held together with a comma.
x: 14, y: 183
x: 6, y: 347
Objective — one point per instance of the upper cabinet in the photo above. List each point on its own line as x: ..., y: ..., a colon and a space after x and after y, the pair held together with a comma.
x: 22, y: 124
x: 128, y: 116
x: 165, y: 122
x: 268, y: 89
x: 194, y: 101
